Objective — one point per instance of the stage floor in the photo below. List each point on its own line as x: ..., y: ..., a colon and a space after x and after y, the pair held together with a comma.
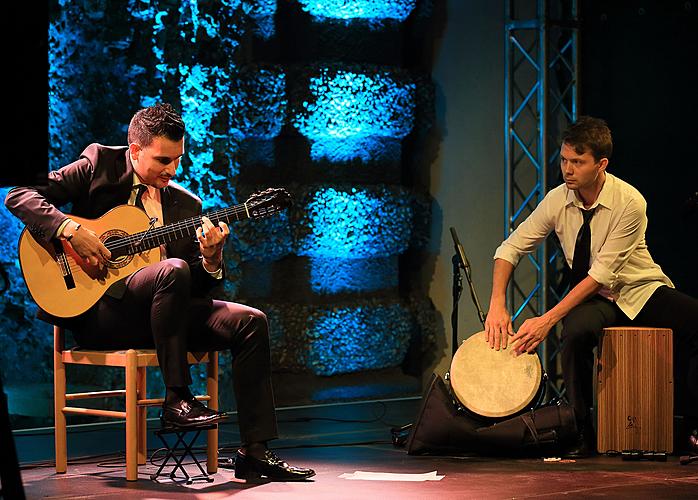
x: 339, y: 440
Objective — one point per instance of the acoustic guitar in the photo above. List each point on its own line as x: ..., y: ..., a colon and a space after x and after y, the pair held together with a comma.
x: 64, y: 285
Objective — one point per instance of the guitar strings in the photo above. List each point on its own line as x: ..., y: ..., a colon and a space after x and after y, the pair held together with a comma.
x: 154, y: 235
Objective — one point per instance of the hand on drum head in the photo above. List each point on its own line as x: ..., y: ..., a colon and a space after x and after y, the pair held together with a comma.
x: 532, y: 332
x: 498, y: 328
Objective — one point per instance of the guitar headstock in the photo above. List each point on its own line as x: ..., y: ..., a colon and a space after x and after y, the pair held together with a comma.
x: 267, y: 202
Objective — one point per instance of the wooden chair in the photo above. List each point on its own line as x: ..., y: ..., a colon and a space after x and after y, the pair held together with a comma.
x: 135, y: 363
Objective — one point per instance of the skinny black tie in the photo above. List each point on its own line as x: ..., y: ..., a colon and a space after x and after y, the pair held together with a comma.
x: 582, y: 250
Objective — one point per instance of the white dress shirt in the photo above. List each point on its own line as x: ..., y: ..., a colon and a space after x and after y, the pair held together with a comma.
x: 620, y: 261
x: 153, y: 207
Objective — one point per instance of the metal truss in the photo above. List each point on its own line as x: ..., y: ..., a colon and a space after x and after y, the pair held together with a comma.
x: 541, y: 99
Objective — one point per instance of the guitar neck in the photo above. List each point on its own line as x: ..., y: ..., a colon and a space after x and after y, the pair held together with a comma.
x: 156, y: 236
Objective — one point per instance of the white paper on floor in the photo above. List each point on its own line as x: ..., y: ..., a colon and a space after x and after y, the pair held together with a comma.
x: 390, y: 476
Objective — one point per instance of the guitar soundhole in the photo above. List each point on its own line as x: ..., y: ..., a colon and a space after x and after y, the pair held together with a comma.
x: 112, y: 236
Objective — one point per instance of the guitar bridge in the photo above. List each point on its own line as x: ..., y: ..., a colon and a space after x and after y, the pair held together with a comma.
x: 64, y: 265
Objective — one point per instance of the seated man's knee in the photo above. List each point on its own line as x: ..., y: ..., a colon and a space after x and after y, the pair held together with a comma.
x: 259, y: 320
x: 259, y: 325
x: 578, y: 334
x: 176, y: 270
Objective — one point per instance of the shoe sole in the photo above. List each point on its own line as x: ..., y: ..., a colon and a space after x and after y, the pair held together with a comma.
x: 169, y: 425
x: 260, y: 478
x: 252, y: 475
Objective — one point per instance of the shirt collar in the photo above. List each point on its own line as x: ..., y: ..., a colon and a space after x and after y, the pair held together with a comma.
x: 605, y: 198
x: 137, y: 182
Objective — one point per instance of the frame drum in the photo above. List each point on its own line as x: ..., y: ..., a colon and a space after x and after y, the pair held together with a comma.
x: 495, y: 384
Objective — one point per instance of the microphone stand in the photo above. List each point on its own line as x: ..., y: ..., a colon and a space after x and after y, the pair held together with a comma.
x: 457, y: 289
x: 460, y: 262
x: 400, y: 435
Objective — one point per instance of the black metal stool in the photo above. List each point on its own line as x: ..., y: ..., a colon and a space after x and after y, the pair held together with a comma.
x: 180, y: 450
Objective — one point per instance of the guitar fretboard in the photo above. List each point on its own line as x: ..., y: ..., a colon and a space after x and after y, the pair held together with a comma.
x: 156, y: 236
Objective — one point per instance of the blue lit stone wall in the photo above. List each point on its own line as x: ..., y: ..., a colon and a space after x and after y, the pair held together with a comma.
x: 323, y: 98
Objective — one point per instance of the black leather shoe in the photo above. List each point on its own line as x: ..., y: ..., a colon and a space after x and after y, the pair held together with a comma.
x: 188, y: 413
x: 583, y: 447
x: 271, y: 467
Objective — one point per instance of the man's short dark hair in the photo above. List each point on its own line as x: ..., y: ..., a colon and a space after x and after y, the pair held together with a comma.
x: 589, y: 134
x: 160, y: 120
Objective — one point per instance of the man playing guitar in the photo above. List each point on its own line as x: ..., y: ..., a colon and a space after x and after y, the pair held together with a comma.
x: 163, y: 305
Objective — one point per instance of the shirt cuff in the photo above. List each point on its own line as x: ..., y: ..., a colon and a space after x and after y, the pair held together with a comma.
x: 603, y: 275
x: 217, y: 274
x: 59, y: 231
x: 507, y: 253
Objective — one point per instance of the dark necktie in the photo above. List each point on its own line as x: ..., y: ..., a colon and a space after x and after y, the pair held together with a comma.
x: 582, y: 250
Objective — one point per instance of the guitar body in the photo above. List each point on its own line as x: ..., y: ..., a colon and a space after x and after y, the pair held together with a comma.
x: 61, y: 283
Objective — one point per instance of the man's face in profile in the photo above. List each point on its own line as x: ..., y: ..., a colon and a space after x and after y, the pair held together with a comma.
x: 157, y: 163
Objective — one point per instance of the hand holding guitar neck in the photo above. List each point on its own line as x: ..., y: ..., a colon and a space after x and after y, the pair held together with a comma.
x: 211, y: 242
x: 86, y: 244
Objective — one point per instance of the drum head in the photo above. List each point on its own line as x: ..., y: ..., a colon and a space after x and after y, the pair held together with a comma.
x: 494, y: 383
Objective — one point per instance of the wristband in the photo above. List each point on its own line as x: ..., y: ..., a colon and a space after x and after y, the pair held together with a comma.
x: 70, y: 236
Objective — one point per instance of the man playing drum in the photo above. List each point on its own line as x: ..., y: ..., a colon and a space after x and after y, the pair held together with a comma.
x: 600, y: 221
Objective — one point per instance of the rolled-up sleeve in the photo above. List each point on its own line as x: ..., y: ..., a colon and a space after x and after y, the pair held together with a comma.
x: 621, y: 242
x: 529, y: 234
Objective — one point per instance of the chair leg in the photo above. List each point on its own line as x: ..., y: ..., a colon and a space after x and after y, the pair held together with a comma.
x: 212, y: 389
x: 131, y: 416
x: 142, y: 416
x: 59, y: 388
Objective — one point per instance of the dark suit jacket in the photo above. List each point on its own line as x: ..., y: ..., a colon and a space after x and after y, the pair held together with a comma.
x: 101, y: 179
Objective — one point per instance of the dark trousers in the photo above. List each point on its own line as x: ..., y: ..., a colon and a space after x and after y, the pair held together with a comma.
x: 157, y: 311
x: 582, y: 328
